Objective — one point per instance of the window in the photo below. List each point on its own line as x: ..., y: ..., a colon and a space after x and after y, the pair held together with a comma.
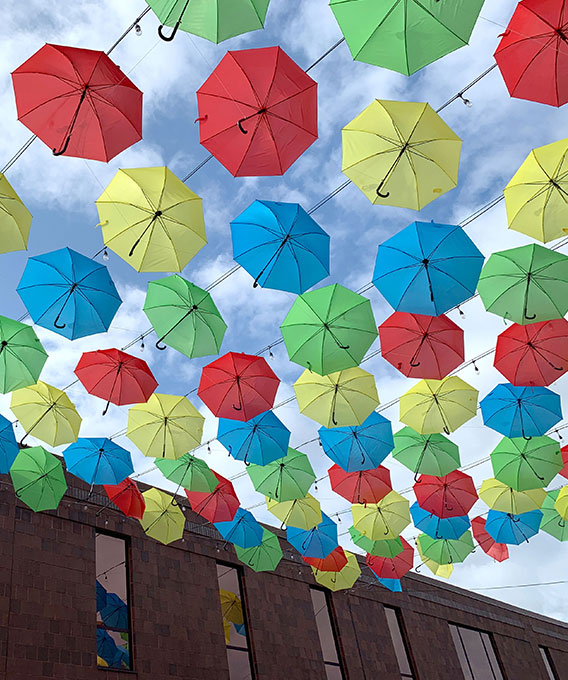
x: 548, y: 663
x: 476, y: 654
x: 401, y: 649
x: 114, y: 648
x: 327, y: 634
x: 234, y: 623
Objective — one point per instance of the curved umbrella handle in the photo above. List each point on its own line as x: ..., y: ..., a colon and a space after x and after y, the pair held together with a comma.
x: 241, y: 128
x: 106, y: 408
x: 168, y: 38
x: 561, y: 523
x: 160, y: 347
x: 238, y: 408
x: 417, y: 479
x: 414, y: 364
x: 57, y: 325
x: 64, y: 149
x: 381, y: 195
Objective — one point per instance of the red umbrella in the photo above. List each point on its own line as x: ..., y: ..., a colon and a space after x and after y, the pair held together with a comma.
x: 116, y: 376
x: 364, y: 486
x: 449, y: 496
x: 127, y: 497
x: 219, y: 505
x: 498, y: 551
x: 532, y: 355
x: 421, y: 346
x: 564, y: 452
x: 393, y: 567
x: 533, y: 54
x: 78, y: 102
x: 335, y: 561
x: 257, y: 112
x: 238, y: 386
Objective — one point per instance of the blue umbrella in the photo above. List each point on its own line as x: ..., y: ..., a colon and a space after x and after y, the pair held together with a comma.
x: 69, y: 293
x: 361, y: 447
x: 98, y: 460
x: 107, y: 649
x: 101, y: 596
x: 503, y: 527
x: 281, y: 246
x: 317, y: 542
x: 115, y: 613
x: 521, y: 411
x: 448, y: 528
x: 427, y: 268
x: 260, y: 440
x: 8, y: 445
x: 393, y: 584
x: 243, y: 530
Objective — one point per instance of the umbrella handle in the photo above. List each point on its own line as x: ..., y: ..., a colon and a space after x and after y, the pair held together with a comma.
x: 414, y: 364
x: 561, y: 523
x: 160, y: 347
x: 417, y: 479
x: 241, y: 128
x: 386, y: 195
x: 238, y: 408
x: 106, y: 408
x: 57, y: 325
x: 168, y: 38
x: 64, y: 149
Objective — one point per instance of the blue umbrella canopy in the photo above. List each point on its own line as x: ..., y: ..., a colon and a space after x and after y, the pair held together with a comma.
x: 8, y: 445
x: 101, y: 596
x: 318, y: 542
x: 281, y: 246
x: 260, y: 440
x: 243, y: 530
x: 435, y: 527
x: 392, y: 584
x: 115, y: 613
x: 504, y: 527
x: 427, y: 268
x: 98, y: 460
x: 108, y: 650
x: 69, y: 293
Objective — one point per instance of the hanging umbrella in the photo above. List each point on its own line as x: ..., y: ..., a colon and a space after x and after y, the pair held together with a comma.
x: 436, y: 527
x: 189, y: 472
x: 383, y: 520
x: 263, y: 557
x: 498, y: 551
x: 401, y: 154
x: 427, y: 268
x: 392, y: 584
x: 505, y: 527
x: 552, y: 523
x: 8, y: 445
x: 334, y: 562
x: 238, y: 386
x: 162, y: 519
x: 127, y: 497
x: 561, y: 503
x: 15, y: 219
x: 219, y: 505
x: 231, y: 607
x: 341, y: 399
x: 284, y: 479
x: 564, y: 453
x: 381, y: 548
x: 46, y: 413
x: 526, y: 284
x: 319, y: 541
x: 280, y: 246
x: 260, y: 440
x: 442, y: 570
x: 452, y: 495
x: 115, y: 376
x: 446, y: 551
x: 243, y: 530
x: 101, y: 596
x: 425, y: 454
x: 115, y: 613
x: 525, y: 464
x: 107, y: 650
x: 302, y: 513
x: 22, y: 355
x: 184, y: 317
x: 340, y: 580
x: 78, y: 102
x: 38, y: 479
x: 98, y: 460
x: 393, y: 567
x: 499, y: 496
x: 363, y: 486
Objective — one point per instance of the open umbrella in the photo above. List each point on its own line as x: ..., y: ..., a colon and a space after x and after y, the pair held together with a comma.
x: 101, y: 596
x: 392, y: 584
x: 189, y: 472
x: 127, y: 497
x: 561, y: 502
x: 393, y: 567
x: 452, y: 495
x: 8, y: 445
x: 552, y: 522
x: 363, y: 486
x: 498, y: 551
x: 442, y: 570
x: 243, y: 530
x: 115, y: 612
x: 383, y: 520
x: 499, y: 496
x: 162, y: 519
x: 303, y: 513
x: 260, y: 440
x: 446, y: 551
x: 436, y: 527
x: 38, y: 479
x: 389, y: 547
x: 231, y: 607
x: 22, y: 355
x: 78, y: 102
x: 98, y: 460
x: 564, y: 453
x: 319, y: 541
x: 339, y: 580
x: 284, y: 479
x: 263, y: 557
x: 334, y: 562
x: 504, y: 527
x: 428, y: 454
x: 219, y: 505
x: 15, y: 219
x: 525, y: 464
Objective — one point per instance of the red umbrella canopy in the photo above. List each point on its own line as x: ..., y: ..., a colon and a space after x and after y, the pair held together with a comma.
x: 127, y: 497
x: 498, y: 551
x: 533, y: 53
x: 363, y: 486
x: 533, y: 355
x: 220, y: 505
x: 116, y: 376
x: 564, y: 471
x: 449, y: 496
x: 78, y: 102
x: 257, y: 112
x: 393, y: 567
x: 421, y: 346
x: 238, y: 386
x: 335, y: 561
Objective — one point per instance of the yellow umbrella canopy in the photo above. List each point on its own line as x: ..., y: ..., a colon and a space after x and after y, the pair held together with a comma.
x: 151, y: 219
x: 301, y: 513
x: 340, y: 580
x: 401, y: 154
x: 339, y: 399
x: 15, y: 219
x: 384, y: 520
x: 162, y: 519
x: 46, y: 413
x: 434, y: 406
x: 442, y: 570
x: 499, y: 496
x: 166, y: 426
x: 231, y: 607
x: 561, y: 503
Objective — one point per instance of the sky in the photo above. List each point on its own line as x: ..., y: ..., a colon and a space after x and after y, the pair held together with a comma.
x: 498, y: 133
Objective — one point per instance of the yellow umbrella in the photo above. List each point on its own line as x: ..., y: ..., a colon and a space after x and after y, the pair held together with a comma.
x: 166, y: 426
x: 101, y: 662
x: 383, y: 520
x: 401, y: 154
x: 151, y: 219
x: 443, y: 570
x: 340, y: 580
x: 302, y: 513
x: 339, y: 399
x: 231, y: 607
x: 162, y: 518
x: 499, y: 496
x: 47, y: 413
x: 537, y: 196
x: 433, y: 406
x: 15, y: 219
x: 227, y: 631
x: 561, y: 503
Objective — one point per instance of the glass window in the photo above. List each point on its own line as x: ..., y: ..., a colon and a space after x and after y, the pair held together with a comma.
x: 548, y: 663
x: 234, y: 623
x: 114, y: 648
x: 327, y: 635
x: 476, y: 654
x: 400, y: 646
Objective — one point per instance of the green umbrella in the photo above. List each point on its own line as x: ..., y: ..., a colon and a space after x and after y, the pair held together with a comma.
x: 525, y: 285
x: 446, y: 551
x: 38, y: 478
x: 425, y: 454
x: 552, y: 522
x: 21, y: 355
x: 390, y: 547
x: 188, y: 471
x: 329, y: 329
x: 284, y: 479
x: 525, y: 464
x: 184, y: 317
x: 263, y: 557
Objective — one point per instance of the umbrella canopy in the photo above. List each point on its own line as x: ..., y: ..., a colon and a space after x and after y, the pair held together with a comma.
x: 381, y: 548
x: 526, y: 284
x: 401, y: 154
x: 505, y: 527
x: 383, y: 520
x: 525, y: 464
x: 564, y: 453
x: 329, y: 329
x: 15, y: 219
x: 426, y: 454
x: 561, y: 503
x: 393, y: 567
x: 392, y: 584
x: 452, y: 495
x: 257, y: 112
x: 341, y: 399
x: 363, y: 486
x: 127, y: 497
x: 436, y: 527
x: 8, y: 445
x: 238, y: 386
x: 405, y: 36
x: 443, y: 570
x: 334, y: 562
x: 219, y: 505
x: 22, y: 355
x: 552, y: 523
x: 162, y: 519
x: 319, y: 541
x: 341, y: 580
x: 284, y: 479
x: 260, y: 440
x: 499, y: 496
x: 38, y: 479
x: 433, y: 406
x: 498, y: 551
x: 78, y: 102
x: 280, y: 246
x: 243, y: 530
x: 115, y: 612
x: 189, y: 472
x: 446, y: 551
x: 46, y: 413
x: 302, y: 513
x: 98, y: 460
x: 263, y: 557
x: 101, y: 596
x: 231, y: 607
x: 427, y: 268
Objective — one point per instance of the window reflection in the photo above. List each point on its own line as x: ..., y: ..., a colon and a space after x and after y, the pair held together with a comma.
x: 400, y: 647
x: 326, y: 633
x: 548, y: 664
x: 476, y: 654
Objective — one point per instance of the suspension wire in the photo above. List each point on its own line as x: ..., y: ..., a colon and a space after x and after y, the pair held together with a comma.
x: 325, y: 54
x: 459, y: 95
x: 127, y: 31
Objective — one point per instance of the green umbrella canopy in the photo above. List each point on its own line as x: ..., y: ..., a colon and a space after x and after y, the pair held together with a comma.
x: 426, y: 454
x: 184, y: 317
x: 188, y: 471
x: 525, y: 285
x: 446, y: 551
x: 329, y: 329
x: 263, y: 557
x: 284, y: 479
x: 38, y: 478
x: 390, y: 547
x: 525, y: 464
x: 22, y: 355
x: 552, y: 522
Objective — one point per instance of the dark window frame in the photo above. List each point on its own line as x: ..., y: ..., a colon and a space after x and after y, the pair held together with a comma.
x: 405, y: 641
x: 549, y: 663
x: 494, y: 649
x: 332, y: 614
